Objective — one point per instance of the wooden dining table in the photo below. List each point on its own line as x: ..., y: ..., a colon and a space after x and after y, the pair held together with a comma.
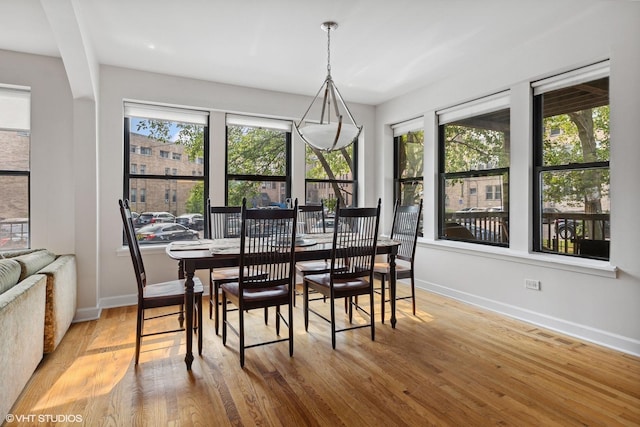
x: 205, y: 254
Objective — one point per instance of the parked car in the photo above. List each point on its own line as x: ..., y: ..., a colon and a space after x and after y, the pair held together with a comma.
x: 147, y: 218
x: 194, y: 221
x: 329, y: 224
x: 165, y: 232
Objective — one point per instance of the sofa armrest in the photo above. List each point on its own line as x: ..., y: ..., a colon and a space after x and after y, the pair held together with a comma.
x: 21, y: 344
x: 61, y: 299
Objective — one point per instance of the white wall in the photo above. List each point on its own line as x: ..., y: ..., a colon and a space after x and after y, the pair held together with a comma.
x: 52, y: 172
x: 595, y: 300
x: 118, y: 84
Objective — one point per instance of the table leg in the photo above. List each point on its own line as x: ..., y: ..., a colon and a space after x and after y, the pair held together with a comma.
x: 188, y: 305
x: 392, y: 287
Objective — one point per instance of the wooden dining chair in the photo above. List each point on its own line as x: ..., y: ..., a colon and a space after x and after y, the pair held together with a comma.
x: 156, y: 295
x: 266, y: 273
x: 311, y: 220
x: 351, y: 271
x: 224, y: 222
x: 405, y: 229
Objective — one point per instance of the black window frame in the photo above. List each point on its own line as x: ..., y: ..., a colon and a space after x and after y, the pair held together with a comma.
x: 286, y: 178
x: 22, y: 173
x: 491, y: 234
x: 128, y: 176
x: 539, y: 169
x: 353, y: 182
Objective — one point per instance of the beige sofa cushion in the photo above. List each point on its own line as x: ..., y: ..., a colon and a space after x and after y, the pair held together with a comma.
x: 9, y: 274
x: 32, y: 262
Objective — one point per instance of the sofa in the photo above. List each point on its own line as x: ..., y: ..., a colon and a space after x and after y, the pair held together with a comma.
x: 37, y: 305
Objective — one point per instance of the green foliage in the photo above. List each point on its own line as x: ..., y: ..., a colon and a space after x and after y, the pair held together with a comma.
x: 189, y: 135
x: 245, y: 189
x: 469, y: 148
x: 565, y: 143
x: 195, y: 201
x: 328, y: 164
x: 410, y: 165
x: 256, y: 151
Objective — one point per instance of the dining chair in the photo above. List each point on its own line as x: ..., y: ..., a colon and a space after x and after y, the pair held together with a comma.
x: 351, y: 267
x: 266, y: 272
x: 224, y: 222
x: 311, y: 220
x: 405, y: 229
x: 156, y: 295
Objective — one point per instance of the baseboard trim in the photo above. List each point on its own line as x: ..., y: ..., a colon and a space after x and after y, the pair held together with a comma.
x: 583, y: 332
x: 86, y: 314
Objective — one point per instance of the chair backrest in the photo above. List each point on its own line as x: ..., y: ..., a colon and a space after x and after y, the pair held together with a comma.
x: 134, y: 249
x: 224, y: 221
x: 267, y: 247
x: 311, y: 219
x: 405, y: 229
x: 355, y: 237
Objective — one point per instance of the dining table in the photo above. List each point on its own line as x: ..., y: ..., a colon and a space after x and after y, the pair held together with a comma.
x: 205, y: 254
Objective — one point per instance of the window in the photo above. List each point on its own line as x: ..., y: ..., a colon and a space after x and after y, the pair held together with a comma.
x: 493, y: 192
x: 15, y: 175
x: 163, y: 184
x: 408, y: 155
x: 571, y: 160
x: 176, y: 156
x: 134, y: 168
x: 258, y: 161
x: 474, y: 145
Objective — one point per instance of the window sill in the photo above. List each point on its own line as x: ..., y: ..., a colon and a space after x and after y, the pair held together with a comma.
x: 559, y: 262
x: 151, y: 249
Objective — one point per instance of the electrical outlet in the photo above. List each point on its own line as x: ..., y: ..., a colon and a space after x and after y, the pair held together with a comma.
x: 532, y: 284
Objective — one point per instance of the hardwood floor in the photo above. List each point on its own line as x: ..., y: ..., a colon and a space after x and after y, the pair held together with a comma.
x: 452, y: 364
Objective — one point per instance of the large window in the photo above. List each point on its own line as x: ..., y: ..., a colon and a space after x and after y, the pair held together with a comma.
x: 408, y: 155
x: 258, y: 161
x: 163, y: 148
x: 329, y: 177
x: 15, y: 113
x: 474, y: 146
x: 571, y: 155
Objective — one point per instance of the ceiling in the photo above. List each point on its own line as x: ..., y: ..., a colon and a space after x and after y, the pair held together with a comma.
x: 382, y: 48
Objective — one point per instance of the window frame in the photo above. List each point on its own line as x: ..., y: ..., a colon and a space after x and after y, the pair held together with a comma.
x: 330, y: 182
x: 399, y: 130
x: 257, y: 122
x: 18, y: 98
x: 486, y: 105
x: 569, y: 79
x: 167, y: 113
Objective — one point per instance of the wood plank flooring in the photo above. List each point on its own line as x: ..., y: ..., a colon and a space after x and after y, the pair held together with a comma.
x: 451, y: 365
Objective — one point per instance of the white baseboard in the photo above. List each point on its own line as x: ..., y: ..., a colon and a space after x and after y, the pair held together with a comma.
x: 86, y: 314
x: 583, y: 332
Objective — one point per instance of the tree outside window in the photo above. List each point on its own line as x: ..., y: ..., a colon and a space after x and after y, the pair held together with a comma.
x: 474, y: 155
x: 258, y: 166
x: 329, y: 177
x: 572, y: 169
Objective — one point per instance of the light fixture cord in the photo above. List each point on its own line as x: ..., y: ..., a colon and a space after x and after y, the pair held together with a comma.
x: 329, y: 50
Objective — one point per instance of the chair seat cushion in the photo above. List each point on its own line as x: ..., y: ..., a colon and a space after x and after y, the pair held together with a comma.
x: 383, y: 268
x: 339, y: 285
x: 258, y: 295
x: 307, y: 267
x: 172, y: 287
x: 230, y: 274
